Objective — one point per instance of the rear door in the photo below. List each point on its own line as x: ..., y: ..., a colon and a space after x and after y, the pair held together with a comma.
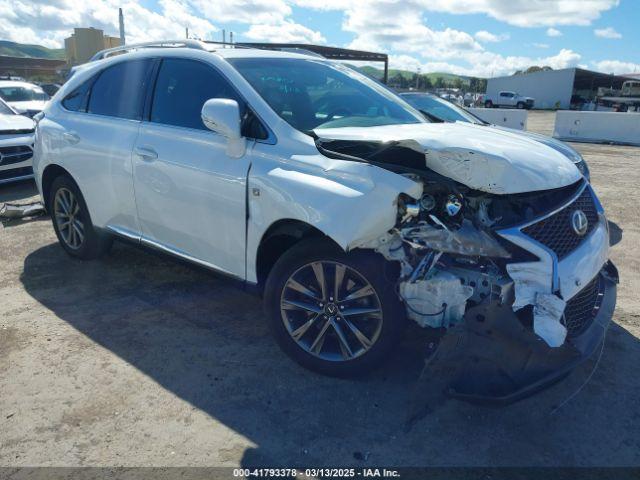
x: 99, y: 124
x: 191, y: 196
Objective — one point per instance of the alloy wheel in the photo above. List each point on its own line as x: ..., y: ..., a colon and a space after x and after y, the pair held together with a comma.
x: 331, y: 311
x: 66, y: 210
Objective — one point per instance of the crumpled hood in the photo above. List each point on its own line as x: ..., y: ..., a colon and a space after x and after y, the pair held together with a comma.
x: 485, y: 159
x: 15, y: 122
x: 562, y: 147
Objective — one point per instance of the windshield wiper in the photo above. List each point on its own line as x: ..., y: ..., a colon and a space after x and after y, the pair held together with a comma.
x: 431, y: 116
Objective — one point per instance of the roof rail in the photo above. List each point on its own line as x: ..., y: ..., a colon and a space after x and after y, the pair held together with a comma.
x: 188, y: 43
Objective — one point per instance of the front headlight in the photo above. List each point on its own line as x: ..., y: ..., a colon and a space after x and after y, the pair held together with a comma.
x: 584, y: 168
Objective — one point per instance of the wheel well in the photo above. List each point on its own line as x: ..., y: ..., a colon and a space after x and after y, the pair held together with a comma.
x: 51, y: 172
x: 279, y: 238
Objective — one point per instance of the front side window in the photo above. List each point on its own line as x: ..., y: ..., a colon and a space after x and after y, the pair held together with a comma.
x: 311, y: 94
x: 120, y: 89
x: 22, y: 94
x: 182, y: 88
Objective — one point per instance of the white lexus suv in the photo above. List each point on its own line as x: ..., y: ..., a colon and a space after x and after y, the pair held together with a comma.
x: 340, y: 204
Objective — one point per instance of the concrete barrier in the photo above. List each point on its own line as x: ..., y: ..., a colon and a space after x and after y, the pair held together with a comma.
x: 503, y: 117
x: 598, y: 127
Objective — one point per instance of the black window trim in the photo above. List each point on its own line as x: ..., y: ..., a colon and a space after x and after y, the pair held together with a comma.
x: 155, y: 72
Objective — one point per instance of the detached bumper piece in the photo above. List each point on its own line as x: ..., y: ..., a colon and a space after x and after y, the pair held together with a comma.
x: 492, y: 357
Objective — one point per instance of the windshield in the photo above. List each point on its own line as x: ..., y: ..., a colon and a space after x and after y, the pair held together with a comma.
x: 441, y: 109
x: 310, y: 94
x: 22, y: 94
x: 5, y: 109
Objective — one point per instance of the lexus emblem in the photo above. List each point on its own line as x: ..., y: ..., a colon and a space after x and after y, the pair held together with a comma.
x: 579, y: 222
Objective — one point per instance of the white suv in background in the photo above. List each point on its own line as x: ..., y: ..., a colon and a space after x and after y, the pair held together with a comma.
x: 347, y: 210
x: 16, y: 145
x: 25, y: 98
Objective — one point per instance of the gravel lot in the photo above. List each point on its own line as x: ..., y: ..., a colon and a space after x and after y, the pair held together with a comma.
x: 138, y: 360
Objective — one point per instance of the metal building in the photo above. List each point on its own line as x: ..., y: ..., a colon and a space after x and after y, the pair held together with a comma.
x: 556, y: 88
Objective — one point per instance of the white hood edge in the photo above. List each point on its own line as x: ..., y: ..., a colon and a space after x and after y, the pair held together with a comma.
x: 15, y: 122
x: 483, y: 159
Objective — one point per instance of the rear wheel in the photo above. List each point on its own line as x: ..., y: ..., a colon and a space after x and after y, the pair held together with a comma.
x: 72, y: 223
x: 332, y: 312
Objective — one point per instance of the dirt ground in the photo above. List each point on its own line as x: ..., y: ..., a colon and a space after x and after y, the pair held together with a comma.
x: 138, y: 360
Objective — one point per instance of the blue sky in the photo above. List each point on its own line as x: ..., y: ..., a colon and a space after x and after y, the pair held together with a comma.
x: 474, y: 37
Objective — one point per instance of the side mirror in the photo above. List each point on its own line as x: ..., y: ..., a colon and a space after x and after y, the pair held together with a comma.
x: 222, y: 115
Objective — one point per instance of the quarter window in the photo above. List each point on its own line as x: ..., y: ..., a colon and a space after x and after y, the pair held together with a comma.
x: 119, y: 91
x: 182, y: 88
x: 76, y: 101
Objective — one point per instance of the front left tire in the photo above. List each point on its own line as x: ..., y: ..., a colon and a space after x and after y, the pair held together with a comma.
x: 333, y: 312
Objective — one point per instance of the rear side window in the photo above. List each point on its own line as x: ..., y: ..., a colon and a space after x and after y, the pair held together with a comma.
x: 76, y: 101
x: 182, y: 88
x: 119, y: 91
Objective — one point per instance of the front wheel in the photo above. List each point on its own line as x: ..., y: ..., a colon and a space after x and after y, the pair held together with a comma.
x: 488, y: 104
x: 332, y: 312
x: 520, y: 105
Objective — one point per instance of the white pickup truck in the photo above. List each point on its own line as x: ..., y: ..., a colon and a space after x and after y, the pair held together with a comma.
x: 508, y: 99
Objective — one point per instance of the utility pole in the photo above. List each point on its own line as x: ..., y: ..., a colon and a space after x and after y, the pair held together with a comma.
x: 224, y: 36
x: 230, y: 37
x: 186, y: 32
x: 121, y: 21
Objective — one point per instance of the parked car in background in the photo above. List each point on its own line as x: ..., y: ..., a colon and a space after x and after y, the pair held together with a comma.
x: 50, y: 88
x: 341, y: 203
x: 25, y: 98
x: 508, y: 99
x: 437, y: 109
x: 16, y: 145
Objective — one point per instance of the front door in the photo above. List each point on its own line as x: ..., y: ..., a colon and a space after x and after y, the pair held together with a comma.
x: 190, y: 195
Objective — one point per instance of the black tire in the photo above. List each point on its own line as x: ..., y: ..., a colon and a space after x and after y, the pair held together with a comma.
x: 488, y: 104
x: 94, y: 243
x: 520, y: 105
x: 371, y: 268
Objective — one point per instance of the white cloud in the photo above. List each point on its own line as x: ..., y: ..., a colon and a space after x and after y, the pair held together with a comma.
x: 616, y: 66
x: 522, y: 13
x: 540, y: 45
x: 243, y: 11
x: 49, y: 22
x: 608, y: 32
x: 486, y: 37
x: 552, y: 32
x: 284, y: 32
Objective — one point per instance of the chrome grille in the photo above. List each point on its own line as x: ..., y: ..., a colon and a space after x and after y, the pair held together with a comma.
x: 15, y: 154
x: 582, y: 308
x: 556, y: 232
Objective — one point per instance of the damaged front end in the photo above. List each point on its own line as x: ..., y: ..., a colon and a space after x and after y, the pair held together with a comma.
x: 518, y: 285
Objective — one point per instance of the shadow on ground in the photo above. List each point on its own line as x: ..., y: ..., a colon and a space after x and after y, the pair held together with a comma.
x: 207, y: 342
x: 17, y: 191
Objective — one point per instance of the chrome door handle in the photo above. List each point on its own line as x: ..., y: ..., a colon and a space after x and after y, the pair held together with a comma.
x: 71, y: 137
x: 147, y: 154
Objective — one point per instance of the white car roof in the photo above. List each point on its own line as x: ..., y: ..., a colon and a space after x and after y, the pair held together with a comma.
x: 14, y: 83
